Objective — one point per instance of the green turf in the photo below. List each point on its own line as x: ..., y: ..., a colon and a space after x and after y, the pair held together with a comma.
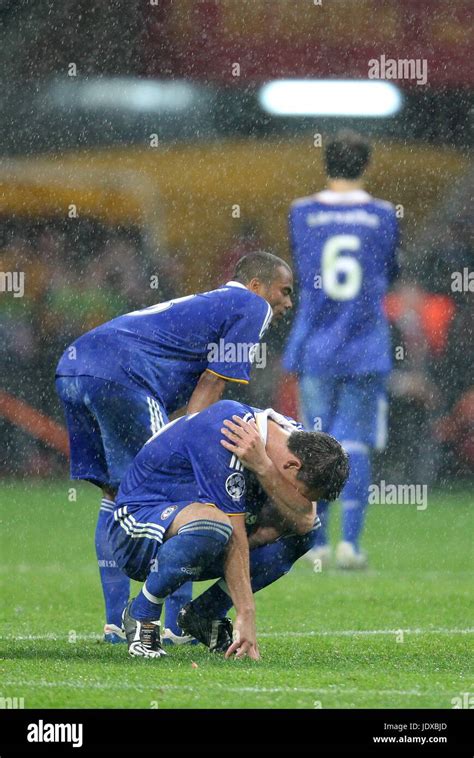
x: 419, y: 580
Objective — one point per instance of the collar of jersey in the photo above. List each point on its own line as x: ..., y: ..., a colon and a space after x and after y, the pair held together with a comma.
x: 261, y: 418
x: 343, y: 198
x: 235, y: 284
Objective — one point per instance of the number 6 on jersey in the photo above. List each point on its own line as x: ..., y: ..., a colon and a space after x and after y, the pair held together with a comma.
x: 341, y: 273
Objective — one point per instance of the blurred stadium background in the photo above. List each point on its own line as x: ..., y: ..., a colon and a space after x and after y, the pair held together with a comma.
x: 135, y: 151
x: 137, y: 164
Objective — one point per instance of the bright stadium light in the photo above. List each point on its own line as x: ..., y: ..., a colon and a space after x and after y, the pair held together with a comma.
x: 126, y: 94
x: 330, y: 97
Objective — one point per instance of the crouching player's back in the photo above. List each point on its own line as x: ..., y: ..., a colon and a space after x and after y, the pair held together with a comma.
x: 181, y: 510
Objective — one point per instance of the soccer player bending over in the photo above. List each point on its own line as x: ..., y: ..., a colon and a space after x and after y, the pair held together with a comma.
x: 121, y: 381
x: 228, y: 493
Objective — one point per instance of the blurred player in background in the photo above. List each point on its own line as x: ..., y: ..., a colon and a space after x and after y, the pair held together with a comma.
x: 344, y: 245
x: 119, y: 383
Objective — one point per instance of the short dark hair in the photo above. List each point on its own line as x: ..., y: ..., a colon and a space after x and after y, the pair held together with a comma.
x: 324, y: 462
x: 346, y: 155
x: 260, y: 265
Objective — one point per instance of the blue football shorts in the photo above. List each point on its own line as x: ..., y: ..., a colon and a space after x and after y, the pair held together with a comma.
x: 108, y: 424
x: 352, y: 409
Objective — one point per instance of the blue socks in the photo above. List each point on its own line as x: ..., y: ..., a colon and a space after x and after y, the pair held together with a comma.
x: 183, y: 556
x: 355, y: 496
x: 173, y: 605
x: 115, y: 584
x: 267, y: 564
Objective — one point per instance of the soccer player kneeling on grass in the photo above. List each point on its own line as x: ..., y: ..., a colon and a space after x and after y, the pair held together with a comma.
x: 228, y: 493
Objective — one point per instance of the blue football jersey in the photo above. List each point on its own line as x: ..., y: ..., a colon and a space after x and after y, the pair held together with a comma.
x: 165, y: 348
x: 344, y: 253
x: 186, y: 461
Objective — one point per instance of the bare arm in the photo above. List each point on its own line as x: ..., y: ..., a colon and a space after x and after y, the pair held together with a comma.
x: 237, y: 577
x: 208, y: 390
x: 243, y: 439
x: 263, y: 535
x: 270, y: 526
x: 296, y: 512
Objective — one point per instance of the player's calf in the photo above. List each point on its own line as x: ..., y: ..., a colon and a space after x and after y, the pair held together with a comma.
x: 189, y: 552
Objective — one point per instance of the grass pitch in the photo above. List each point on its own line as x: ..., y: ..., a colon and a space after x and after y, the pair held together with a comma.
x: 395, y: 636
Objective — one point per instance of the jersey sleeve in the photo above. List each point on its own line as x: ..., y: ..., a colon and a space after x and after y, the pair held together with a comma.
x: 219, y: 474
x: 297, y: 231
x: 393, y: 243
x: 291, y: 358
x: 239, y: 341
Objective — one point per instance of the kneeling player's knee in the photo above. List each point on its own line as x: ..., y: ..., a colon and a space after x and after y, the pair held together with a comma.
x: 216, y: 529
x: 299, y: 544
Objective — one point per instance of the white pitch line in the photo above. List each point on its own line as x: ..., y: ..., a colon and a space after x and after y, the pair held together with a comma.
x: 331, y: 690
x: 329, y: 633
x: 363, y: 632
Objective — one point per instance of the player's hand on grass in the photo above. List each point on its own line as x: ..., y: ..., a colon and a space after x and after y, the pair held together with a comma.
x: 245, y: 642
x: 243, y: 440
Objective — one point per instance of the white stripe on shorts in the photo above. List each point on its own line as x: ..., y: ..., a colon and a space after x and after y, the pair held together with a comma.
x: 156, y: 416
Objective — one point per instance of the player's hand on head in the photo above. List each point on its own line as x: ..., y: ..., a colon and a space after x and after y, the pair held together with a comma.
x: 243, y: 440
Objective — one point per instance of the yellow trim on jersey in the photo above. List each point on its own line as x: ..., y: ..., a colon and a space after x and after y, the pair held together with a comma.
x: 227, y: 378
